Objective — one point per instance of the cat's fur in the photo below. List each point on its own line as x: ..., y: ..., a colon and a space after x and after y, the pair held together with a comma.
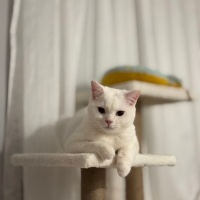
x: 88, y: 131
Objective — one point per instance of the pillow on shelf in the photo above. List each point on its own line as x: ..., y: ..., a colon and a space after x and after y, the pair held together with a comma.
x: 129, y: 73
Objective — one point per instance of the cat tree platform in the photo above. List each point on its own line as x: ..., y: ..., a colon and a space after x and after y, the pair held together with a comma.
x: 157, y: 94
x: 93, y: 182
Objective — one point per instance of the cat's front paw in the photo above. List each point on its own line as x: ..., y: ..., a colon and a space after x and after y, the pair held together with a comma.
x: 106, y: 152
x: 123, y: 170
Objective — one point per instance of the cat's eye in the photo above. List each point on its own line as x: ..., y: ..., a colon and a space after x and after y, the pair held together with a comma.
x: 101, y: 110
x: 120, y: 113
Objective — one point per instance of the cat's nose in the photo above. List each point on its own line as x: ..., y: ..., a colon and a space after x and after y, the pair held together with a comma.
x: 108, y: 121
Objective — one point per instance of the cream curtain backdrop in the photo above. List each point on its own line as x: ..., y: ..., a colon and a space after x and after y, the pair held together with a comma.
x: 59, y: 46
x: 169, y: 41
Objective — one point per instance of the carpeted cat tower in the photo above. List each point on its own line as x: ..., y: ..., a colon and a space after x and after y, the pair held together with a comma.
x: 93, y: 169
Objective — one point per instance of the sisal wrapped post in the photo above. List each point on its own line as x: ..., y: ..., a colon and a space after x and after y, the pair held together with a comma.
x: 134, y: 181
x: 93, y: 184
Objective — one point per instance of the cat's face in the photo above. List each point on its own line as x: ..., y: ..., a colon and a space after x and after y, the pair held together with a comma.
x: 111, y: 110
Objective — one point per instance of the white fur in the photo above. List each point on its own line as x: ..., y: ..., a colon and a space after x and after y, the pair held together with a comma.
x: 88, y: 132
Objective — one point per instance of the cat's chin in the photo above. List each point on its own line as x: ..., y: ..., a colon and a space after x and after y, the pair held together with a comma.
x: 110, y: 130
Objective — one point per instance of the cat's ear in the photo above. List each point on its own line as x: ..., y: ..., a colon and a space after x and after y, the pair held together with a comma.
x: 132, y: 96
x: 97, y: 89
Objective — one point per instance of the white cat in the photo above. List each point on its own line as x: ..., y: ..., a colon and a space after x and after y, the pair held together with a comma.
x: 105, y: 127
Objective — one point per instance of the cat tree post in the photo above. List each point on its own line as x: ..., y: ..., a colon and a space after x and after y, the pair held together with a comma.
x: 93, y: 184
x: 134, y: 181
